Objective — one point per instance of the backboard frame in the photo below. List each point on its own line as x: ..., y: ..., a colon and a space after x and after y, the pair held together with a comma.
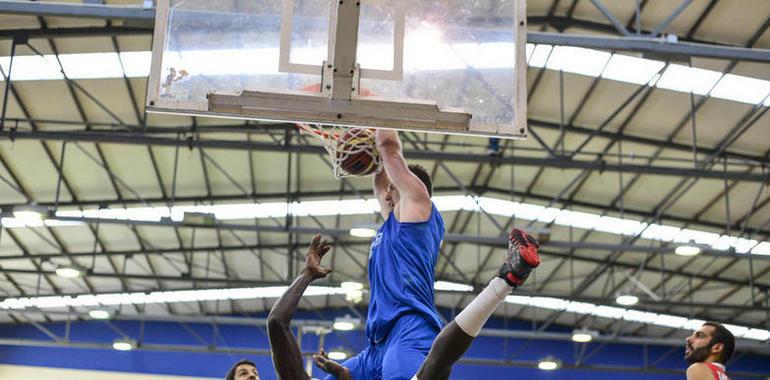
x: 219, y: 105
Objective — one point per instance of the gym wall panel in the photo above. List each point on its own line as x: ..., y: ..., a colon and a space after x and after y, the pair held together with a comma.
x: 14, y: 372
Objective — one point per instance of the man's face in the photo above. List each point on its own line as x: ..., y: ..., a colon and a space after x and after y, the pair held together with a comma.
x: 392, y: 196
x: 698, y: 345
x: 246, y: 372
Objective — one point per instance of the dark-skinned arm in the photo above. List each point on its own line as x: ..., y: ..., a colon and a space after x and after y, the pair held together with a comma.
x: 287, y: 357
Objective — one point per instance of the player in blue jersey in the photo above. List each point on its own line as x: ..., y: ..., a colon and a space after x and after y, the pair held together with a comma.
x: 455, y: 339
x: 402, y: 320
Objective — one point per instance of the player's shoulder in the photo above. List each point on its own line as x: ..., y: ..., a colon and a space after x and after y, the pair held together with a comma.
x: 698, y: 371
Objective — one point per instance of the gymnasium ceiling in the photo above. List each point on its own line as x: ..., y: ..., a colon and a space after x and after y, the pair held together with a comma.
x: 613, y: 149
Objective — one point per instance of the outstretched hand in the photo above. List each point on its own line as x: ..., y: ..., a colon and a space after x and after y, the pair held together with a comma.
x: 315, y: 252
x: 331, y: 367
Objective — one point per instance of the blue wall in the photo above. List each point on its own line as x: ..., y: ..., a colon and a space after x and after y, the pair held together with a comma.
x: 216, y: 364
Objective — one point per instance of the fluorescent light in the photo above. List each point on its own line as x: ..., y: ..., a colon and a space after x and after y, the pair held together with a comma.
x: 627, y: 300
x: 578, y: 60
x: 69, y: 272
x: 139, y: 298
x: 124, y: 344
x: 742, y: 89
x: 687, y: 250
x: 344, y: 326
x: 346, y: 323
x: 549, y: 364
x: 362, y: 232
x: 354, y: 292
x: 338, y: 355
x: 351, y: 285
x: 28, y: 218
x: 493, y: 206
x: 583, y: 335
x: 354, y: 296
x: 99, y: 314
x: 623, y: 314
x: 629, y: 69
x: 452, y: 286
x: 688, y: 79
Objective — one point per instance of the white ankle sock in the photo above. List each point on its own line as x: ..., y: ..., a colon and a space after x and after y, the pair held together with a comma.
x: 476, y: 314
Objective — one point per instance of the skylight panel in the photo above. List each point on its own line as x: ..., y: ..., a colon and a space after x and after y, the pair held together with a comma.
x: 578, y: 60
x: 661, y: 232
x: 530, y: 49
x: 688, y: 79
x: 699, y: 237
x: 540, y: 56
x: 91, y: 65
x: 742, y: 89
x: 136, y: 63
x: 631, y: 315
x: 761, y: 249
x: 630, y: 69
x: 32, y: 67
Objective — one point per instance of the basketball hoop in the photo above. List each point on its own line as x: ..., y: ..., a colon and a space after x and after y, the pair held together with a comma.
x: 353, y: 151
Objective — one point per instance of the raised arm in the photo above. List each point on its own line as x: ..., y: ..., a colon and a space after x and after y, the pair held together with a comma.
x: 414, y: 204
x: 287, y: 357
x: 380, y: 186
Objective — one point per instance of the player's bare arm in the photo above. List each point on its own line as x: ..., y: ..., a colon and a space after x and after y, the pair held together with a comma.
x: 287, y: 357
x: 331, y: 367
x: 380, y: 185
x: 414, y: 200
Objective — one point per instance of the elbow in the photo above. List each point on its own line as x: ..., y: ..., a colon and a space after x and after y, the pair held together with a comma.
x: 387, y: 144
x: 275, y: 322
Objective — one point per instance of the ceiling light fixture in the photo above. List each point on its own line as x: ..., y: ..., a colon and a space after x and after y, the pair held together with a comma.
x: 362, y: 232
x: 688, y: 250
x: 549, y: 363
x: 99, y: 314
x: 124, y: 344
x: 338, y: 355
x: 346, y: 323
x: 627, y: 300
x: 584, y: 335
x: 69, y: 271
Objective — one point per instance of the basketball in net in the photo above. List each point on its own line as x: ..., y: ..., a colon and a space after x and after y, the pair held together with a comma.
x: 353, y: 150
x: 357, y: 153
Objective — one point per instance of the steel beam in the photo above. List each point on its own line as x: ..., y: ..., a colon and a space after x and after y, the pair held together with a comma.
x: 553, y: 162
x: 75, y: 32
x: 489, y: 241
x: 742, y: 346
x: 659, y: 46
x: 81, y: 10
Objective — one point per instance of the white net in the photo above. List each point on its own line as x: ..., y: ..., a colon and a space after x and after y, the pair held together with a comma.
x: 353, y: 151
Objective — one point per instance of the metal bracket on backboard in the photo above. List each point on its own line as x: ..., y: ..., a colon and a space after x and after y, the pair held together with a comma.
x: 367, y: 111
x: 399, y: 21
x: 327, y: 82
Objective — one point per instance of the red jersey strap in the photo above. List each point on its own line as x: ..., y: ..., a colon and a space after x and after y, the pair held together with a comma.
x: 717, y: 371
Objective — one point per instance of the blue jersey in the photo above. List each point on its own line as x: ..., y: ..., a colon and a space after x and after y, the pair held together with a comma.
x: 402, y: 263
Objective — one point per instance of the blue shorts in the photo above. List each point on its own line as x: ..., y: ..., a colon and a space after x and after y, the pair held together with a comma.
x: 399, y: 357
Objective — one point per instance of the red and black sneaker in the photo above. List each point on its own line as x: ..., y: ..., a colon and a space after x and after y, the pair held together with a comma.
x: 521, y: 258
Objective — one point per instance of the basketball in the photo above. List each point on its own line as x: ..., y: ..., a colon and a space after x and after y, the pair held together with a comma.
x: 357, y: 153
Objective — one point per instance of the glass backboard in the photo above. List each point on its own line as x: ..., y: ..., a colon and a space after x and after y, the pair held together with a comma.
x: 436, y: 65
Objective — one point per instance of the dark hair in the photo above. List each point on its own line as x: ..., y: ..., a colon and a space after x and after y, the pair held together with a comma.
x: 724, y: 336
x: 231, y: 373
x: 423, y: 175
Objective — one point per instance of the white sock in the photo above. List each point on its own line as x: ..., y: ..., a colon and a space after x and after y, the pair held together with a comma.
x: 475, y: 315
